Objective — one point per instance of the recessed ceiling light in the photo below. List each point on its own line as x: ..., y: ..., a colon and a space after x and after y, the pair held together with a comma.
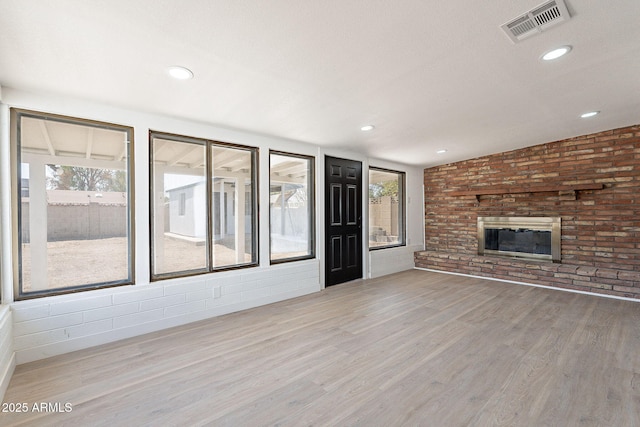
x: 556, y: 53
x: 589, y: 114
x: 180, y: 73
x: 441, y: 151
x: 367, y: 128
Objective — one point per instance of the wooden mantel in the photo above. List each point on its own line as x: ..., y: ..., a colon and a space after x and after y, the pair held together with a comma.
x: 493, y: 190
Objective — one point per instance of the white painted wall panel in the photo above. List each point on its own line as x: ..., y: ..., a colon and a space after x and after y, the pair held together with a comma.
x: 135, y: 310
x: 7, y: 359
x: 392, y: 260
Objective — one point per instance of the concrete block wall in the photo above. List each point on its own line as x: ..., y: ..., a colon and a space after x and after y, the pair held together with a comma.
x: 383, y: 212
x: 51, y: 326
x: 600, y: 244
x: 80, y: 221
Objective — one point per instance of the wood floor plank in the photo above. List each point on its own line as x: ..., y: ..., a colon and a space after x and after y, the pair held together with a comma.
x: 413, y: 348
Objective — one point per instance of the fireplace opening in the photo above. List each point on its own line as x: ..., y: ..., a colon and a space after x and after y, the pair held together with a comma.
x: 536, y: 238
x: 518, y: 240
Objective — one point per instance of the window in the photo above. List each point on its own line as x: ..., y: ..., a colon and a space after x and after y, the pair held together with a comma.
x: 386, y: 208
x: 203, y: 206
x: 74, y: 213
x: 291, y: 207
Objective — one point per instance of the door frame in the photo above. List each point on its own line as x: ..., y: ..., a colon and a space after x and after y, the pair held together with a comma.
x: 321, y: 210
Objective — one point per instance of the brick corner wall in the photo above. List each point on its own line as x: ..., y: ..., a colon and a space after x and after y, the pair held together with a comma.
x: 600, y: 228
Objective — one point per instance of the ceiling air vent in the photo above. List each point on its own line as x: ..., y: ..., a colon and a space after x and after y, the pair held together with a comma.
x: 536, y: 20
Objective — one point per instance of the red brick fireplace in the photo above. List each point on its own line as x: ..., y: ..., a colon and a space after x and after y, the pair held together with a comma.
x: 591, y: 182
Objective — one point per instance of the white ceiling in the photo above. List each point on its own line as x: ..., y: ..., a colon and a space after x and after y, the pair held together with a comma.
x: 428, y: 74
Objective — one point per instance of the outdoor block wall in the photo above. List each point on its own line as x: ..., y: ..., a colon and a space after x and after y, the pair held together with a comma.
x: 600, y: 228
x: 80, y: 221
x: 383, y: 217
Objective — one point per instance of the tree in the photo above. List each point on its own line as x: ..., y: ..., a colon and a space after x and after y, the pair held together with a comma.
x: 386, y: 188
x: 118, y: 181
x: 85, y: 179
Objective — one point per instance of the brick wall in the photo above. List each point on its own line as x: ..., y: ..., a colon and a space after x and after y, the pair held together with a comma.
x: 600, y: 228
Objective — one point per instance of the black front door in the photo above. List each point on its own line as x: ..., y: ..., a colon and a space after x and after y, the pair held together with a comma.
x: 343, y: 220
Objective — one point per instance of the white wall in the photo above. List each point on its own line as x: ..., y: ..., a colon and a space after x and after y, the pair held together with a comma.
x: 7, y: 357
x: 54, y: 325
x: 392, y: 260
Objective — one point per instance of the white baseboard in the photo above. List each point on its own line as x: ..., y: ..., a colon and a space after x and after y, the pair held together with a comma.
x: 528, y: 284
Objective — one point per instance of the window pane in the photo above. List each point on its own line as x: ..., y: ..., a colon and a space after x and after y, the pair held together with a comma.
x: 74, y: 211
x: 180, y: 206
x: 291, y: 206
x: 204, y: 205
x: 386, y: 208
x: 233, y: 206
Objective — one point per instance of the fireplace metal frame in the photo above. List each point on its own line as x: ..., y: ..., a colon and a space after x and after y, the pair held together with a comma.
x: 552, y: 224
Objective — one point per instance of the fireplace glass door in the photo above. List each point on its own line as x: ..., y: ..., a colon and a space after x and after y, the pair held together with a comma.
x: 536, y: 238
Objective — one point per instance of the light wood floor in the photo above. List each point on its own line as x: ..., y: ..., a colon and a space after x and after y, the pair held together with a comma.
x: 414, y: 348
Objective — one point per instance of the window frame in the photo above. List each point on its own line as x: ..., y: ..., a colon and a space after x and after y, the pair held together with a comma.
x: 402, y: 182
x: 16, y: 115
x: 209, y: 144
x: 311, y: 217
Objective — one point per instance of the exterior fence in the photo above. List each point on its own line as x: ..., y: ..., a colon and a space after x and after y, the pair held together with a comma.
x: 72, y: 221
